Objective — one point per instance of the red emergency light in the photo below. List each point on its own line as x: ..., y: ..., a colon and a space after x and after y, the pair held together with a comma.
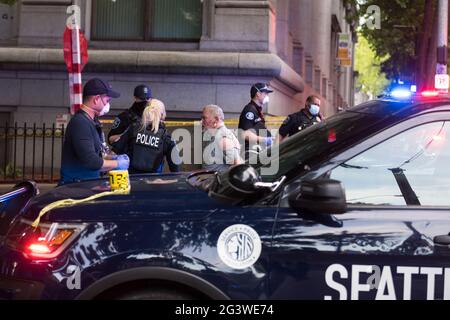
x: 429, y: 93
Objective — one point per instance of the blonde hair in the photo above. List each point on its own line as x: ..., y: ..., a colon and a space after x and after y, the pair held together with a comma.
x: 153, y: 114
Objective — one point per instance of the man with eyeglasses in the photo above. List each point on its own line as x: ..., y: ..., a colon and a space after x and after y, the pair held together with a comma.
x: 83, y: 155
x: 252, y: 124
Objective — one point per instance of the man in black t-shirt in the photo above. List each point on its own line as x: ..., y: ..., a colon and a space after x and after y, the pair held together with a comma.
x: 82, y: 153
x: 301, y: 120
x: 252, y: 124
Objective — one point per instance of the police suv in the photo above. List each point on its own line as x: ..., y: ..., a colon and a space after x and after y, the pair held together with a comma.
x: 358, y: 208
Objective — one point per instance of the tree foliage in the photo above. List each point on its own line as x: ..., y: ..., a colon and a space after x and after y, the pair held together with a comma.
x: 8, y: 2
x: 370, y: 78
x: 401, y: 22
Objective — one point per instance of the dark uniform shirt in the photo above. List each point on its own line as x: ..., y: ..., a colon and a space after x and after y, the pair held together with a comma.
x: 297, y: 122
x: 124, y: 119
x: 252, y: 118
x: 82, y: 149
x: 147, y: 149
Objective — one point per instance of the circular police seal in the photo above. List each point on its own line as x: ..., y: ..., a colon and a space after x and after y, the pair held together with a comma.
x: 250, y: 116
x: 239, y: 246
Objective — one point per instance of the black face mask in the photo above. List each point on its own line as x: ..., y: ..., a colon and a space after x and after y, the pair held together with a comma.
x: 139, y: 107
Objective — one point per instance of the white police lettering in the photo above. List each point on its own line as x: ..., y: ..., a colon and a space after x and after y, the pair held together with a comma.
x: 335, y: 285
x: 386, y: 284
x: 336, y: 277
x: 144, y: 139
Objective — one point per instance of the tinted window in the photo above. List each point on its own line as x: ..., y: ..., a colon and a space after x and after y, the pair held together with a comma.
x: 410, y: 167
x: 322, y: 138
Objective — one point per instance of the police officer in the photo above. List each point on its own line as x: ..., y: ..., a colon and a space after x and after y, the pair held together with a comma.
x: 298, y: 121
x: 147, y: 142
x: 142, y: 96
x: 252, y: 124
x: 82, y: 153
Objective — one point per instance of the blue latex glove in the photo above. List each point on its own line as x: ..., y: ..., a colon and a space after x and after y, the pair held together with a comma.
x: 268, y: 141
x: 123, y: 162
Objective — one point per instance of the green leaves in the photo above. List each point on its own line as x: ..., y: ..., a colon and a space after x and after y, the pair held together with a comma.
x: 401, y: 20
x: 370, y: 78
x: 8, y: 2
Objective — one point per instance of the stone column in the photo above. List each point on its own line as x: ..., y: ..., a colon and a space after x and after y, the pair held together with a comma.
x: 321, y: 34
x: 301, y: 18
x: 42, y: 23
x: 237, y: 25
x: 284, y: 36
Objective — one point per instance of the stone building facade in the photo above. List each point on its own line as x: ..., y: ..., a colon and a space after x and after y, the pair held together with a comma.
x: 191, y: 53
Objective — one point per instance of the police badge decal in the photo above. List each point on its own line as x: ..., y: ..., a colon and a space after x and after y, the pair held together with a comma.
x: 239, y: 246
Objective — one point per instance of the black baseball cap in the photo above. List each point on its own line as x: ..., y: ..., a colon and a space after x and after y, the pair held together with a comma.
x: 259, y: 87
x: 143, y: 92
x: 97, y: 86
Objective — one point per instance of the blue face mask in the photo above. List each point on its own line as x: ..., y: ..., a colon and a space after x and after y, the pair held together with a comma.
x: 314, y: 109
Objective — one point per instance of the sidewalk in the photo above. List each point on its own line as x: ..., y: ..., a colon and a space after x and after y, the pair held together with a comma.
x: 43, y: 187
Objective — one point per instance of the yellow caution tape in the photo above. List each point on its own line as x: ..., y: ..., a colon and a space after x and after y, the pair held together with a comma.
x: 230, y: 122
x: 72, y: 202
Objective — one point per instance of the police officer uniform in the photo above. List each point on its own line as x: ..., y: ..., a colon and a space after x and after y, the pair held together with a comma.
x: 252, y: 117
x: 297, y: 122
x: 126, y: 118
x: 147, y: 149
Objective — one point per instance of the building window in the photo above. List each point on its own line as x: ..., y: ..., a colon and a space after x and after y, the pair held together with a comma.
x: 324, y: 87
x: 298, y: 59
x: 317, y: 79
x: 309, y: 71
x: 146, y: 20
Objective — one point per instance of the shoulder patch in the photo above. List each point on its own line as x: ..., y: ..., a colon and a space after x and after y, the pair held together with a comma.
x: 250, y: 116
x: 288, y: 118
x: 116, y: 123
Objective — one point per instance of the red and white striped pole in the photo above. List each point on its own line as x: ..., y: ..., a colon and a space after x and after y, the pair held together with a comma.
x: 75, y: 83
x: 75, y: 56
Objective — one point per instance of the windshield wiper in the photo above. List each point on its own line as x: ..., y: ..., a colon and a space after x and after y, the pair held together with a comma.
x: 408, y: 193
x: 350, y: 166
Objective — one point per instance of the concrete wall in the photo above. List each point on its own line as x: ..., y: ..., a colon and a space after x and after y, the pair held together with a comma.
x: 292, y: 31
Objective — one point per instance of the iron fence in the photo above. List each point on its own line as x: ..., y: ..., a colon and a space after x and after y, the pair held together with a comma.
x: 30, y: 152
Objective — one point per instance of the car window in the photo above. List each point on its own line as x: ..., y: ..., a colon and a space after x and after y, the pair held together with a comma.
x: 411, y: 168
x: 320, y: 138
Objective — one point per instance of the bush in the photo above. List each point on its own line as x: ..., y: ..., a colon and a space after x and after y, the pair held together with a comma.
x: 10, y: 171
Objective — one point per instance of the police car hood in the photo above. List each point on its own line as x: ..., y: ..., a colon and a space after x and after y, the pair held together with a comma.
x: 152, y: 197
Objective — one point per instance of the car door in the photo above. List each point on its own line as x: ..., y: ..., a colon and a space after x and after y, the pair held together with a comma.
x: 392, y: 243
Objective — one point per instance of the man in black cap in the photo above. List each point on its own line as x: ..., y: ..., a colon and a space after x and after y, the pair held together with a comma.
x: 142, y: 96
x: 252, y: 124
x: 83, y: 149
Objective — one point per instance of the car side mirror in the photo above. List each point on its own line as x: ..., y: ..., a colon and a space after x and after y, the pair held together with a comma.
x: 246, y: 179
x: 243, y: 178
x: 320, y: 196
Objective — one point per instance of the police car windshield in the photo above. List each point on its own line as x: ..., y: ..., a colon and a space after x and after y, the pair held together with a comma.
x: 318, y: 142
